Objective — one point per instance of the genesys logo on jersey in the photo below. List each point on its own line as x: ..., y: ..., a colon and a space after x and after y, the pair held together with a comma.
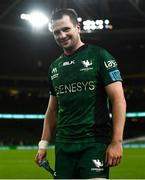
x: 110, y: 64
x: 87, y: 65
x: 54, y: 73
x: 75, y: 87
x: 98, y: 165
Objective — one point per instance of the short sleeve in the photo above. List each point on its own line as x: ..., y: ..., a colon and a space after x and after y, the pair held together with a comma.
x: 108, y: 68
x: 50, y: 84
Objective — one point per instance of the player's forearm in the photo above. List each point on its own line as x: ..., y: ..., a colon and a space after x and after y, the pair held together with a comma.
x: 118, y: 116
x: 49, y: 125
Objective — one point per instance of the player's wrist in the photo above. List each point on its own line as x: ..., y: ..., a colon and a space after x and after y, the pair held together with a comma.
x: 117, y: 141
x: 43, y: 144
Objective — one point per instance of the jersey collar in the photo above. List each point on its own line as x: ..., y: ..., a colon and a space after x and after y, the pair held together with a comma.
x: 78, y: 50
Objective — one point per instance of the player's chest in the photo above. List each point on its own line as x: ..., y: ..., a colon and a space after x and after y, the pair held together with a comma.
x: 75, y: 70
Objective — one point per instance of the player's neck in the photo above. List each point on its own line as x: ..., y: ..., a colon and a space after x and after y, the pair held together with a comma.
x: 68, y: 52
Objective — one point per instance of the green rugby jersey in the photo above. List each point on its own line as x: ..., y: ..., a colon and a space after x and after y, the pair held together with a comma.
x: 78, y: 82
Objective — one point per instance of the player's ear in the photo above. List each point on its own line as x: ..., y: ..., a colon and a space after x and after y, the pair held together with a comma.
x: 78, y: 27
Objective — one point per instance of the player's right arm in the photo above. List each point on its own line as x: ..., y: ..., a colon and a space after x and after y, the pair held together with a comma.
x: 48, y: 128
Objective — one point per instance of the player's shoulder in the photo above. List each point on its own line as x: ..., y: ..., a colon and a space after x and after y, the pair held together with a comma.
x: 56, y: 61
x: 95, y: 48
x: 101, y: 51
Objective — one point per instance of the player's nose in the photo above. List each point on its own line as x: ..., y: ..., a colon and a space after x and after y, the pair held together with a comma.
x: 62, y: 35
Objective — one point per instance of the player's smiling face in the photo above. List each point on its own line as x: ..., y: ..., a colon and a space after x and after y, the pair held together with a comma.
x: 66, y: 33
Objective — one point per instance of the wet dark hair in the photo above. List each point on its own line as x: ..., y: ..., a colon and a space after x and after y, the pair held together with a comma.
x: 59, y: 13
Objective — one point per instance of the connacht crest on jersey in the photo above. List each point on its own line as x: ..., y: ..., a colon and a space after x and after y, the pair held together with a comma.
x: 86, y: 63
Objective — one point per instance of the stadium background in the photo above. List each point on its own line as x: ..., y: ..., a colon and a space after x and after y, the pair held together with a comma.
x: 25, y: 55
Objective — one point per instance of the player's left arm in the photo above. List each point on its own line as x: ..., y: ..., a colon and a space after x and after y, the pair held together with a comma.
x: 114, y: 151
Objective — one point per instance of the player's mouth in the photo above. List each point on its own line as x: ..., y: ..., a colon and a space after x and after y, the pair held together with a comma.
x: 64, y: 42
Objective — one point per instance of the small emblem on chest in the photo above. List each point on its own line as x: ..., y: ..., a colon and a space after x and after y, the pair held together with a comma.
x: 87, y: 65
x: 67, y: 63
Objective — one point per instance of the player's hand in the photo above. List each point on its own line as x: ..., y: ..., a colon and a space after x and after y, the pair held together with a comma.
x: 114, y: 154
x: 41, y: 154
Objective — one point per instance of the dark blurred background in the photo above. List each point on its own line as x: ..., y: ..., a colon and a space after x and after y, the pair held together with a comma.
x: 26, y: 53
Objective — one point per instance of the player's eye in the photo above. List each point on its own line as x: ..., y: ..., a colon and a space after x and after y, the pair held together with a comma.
x: 56, y: 33
x: 66, y: 29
